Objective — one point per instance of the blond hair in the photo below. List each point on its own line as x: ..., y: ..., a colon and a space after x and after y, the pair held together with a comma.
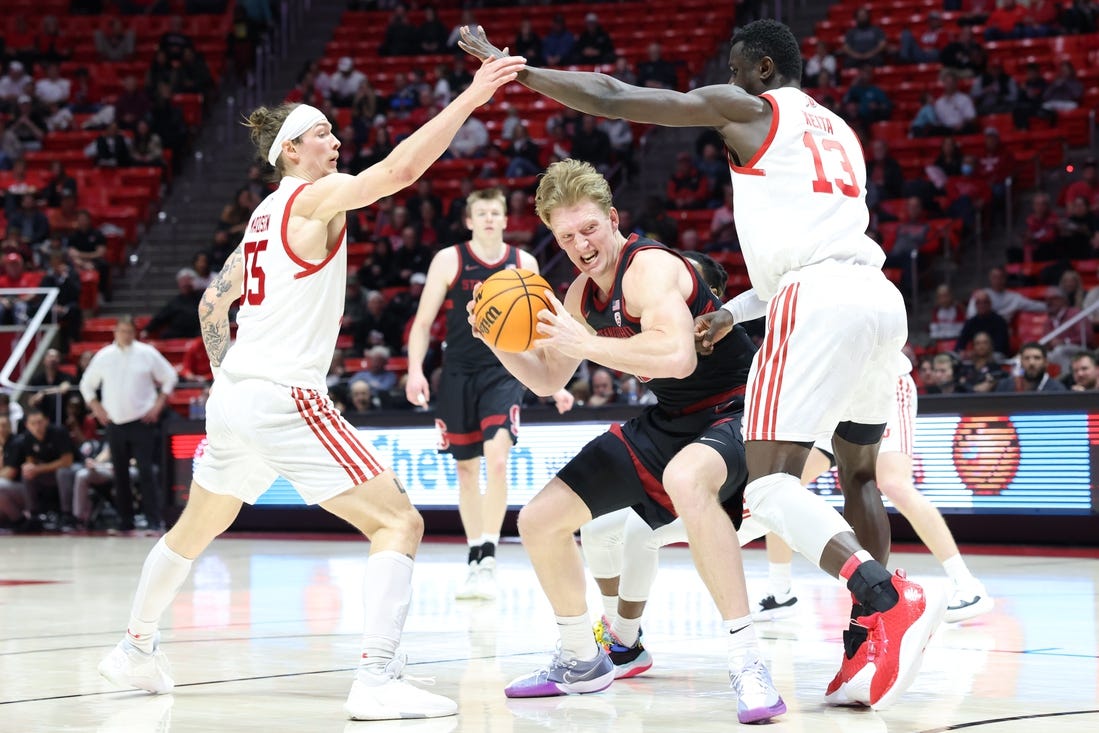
x: 567, y: 183
x: 265, y: 123
x: 487, y: 194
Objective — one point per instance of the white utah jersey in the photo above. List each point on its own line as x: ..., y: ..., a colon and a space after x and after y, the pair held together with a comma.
x: 801, y: 200
x: 291, y: 308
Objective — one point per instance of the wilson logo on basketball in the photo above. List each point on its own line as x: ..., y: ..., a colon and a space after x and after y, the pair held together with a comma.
x: 986, y: 454
x: 485, y: 324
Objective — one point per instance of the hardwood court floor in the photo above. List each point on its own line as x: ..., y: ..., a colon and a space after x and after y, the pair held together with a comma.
x: 264, y: 636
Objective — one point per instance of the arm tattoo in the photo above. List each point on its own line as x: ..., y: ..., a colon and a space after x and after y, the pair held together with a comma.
x: 400, y: 486
x: 215, y: 332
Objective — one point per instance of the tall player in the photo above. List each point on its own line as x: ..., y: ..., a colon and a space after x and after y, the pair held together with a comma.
x: 478, y: 403
x: 631, y: 309
x: 836, y: 324
x: 269, y: 413
x: 894, y: 471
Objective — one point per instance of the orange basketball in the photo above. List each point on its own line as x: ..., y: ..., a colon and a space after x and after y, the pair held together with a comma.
x: 506, y: 309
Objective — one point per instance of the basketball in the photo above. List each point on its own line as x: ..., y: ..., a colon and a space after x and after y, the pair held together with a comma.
x: 505, y: 309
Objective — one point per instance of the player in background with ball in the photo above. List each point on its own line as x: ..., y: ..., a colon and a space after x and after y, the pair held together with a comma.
x: 632, y: 309
x: 477, y: 410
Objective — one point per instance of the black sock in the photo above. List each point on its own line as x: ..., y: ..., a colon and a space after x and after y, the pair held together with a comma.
x: 475, y: 554
x: 855, y: 634
x: 872, y: 586
x: 488, y: 549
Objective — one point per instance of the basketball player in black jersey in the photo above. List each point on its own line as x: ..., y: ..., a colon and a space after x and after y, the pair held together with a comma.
x: 477, y: 408
x: 632, y: 309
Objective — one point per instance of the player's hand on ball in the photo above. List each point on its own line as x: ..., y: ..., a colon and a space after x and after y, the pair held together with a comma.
x: 557, y: 329
x: 469, y: 312
x: 711, y: 328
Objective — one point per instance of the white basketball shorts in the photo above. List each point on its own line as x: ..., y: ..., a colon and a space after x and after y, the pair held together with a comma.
x: 829, y: 356
x: 258, y: 430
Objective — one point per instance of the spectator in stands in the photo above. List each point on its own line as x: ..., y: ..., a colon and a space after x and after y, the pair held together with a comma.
x: 1076, y: 338
x: 883, y: 171
x: 1065, y: 91
x: 13, y: 85
x: 111, y: 149
x: 982, y: 370
x: 361, y: 398
x: 528, y: 44
x: 826, y: 92
x: 193, y: 75
x: 523, y: 153
x: 87, y: 248
x: 1076, y: 229
x: 50, y: 45
x: 1032, y: 98
x: 558, y: 43
x: 57, y: 117
x: 345, y: 83
x: 1085, y: 373
x: 178, y: 318
x: 657, y: 72
x: 37, y: 455
x: 231, y: 225
x: 924, y: 48
x: 994, y: 91
x: 1005, y: 21
x: 370, y: 330
x: 948, y: 317
x: 1086, y: 186
x: 135, y: 381
x: 926, y: 122
x: 196, y: 363
x: 913, y: 230
x: 954, y: 108
x: 402, y: 306
x: 865, y: 101
x: 593, y: 44
x: 59, y: 184
x: 604, y: 388
x: 146, y: 148
x: 656, y: 223
x: 401, y: 37
x: 687, y: 188
x: 1041, y: 232
x: 460, y: 76
x: 623, y: 70
x: 1072, y: 285
x: 412, y: 256
x: 425, y: 191
x: 11, y: 149
x: 821, y: 60
x: 64, y: 219
x: 28, y: 124
x: 943, y: 380
x: 380, y: 379
x: 471, y: 140
x: 50, y: 385
x: 723, y: 213
x: 1079, y: 16
x: 864, y: 43
x: 114, y: 42
x: 13, y: 500
x: 241, y: 42
x: 995, y: 164
x: 431, y: 35
x: 52, y: 88
x: 167, y: 121
x: 457, y: 231
x: 1035, y: 375
x: 964, y: 56
x: 430, y: 225
x: 132, y: 104
x: 591, y: 144
x: 29, y: 221
x: 392, y: 229
x: 1004, y: 302
x: 986, y: 320
x: 522, y: 223
x: 174, y: 40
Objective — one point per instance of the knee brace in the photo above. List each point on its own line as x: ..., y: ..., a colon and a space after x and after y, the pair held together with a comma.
x: 797, y: 515
x: 601, y: 540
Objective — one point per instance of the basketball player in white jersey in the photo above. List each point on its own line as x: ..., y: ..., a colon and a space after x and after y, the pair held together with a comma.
x: 836, y: 323
x: 269, y: 413
x: 894, y: 472
x: 477, y: 408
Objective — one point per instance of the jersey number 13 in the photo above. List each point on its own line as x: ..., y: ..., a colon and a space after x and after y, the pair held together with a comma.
x: 848, y: 185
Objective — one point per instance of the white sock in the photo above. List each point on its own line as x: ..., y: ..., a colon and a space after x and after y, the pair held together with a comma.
x: 610, y: 609
x: 741, y: 636
x: 387, y: 591
x: 493, y: 538
x: 161, y: 576
x: 627, y: 630
x: 778, y: 577
x: 577, y: 641
x: 955, y: 567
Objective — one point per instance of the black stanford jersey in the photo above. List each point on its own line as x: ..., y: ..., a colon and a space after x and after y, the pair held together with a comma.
x: 717, y: 378
x: 464, y: 353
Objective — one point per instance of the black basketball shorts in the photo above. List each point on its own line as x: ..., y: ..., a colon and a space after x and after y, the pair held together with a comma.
x: 471, y: 408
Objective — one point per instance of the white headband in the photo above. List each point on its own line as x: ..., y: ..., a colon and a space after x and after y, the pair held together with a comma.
x: 297, y: 123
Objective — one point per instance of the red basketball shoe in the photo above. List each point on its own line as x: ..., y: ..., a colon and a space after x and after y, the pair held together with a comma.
x: 851, y: 685
x: 897, y: 640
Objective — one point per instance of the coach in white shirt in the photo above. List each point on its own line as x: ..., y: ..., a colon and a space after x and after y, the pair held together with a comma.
x: 135, y: 381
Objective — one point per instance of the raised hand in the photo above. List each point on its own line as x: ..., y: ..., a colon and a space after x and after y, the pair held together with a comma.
x: 493, y: 74
x: 558, y: 330
x: 476, y: 43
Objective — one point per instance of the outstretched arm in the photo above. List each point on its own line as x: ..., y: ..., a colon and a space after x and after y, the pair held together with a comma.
x: 604, y: 96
